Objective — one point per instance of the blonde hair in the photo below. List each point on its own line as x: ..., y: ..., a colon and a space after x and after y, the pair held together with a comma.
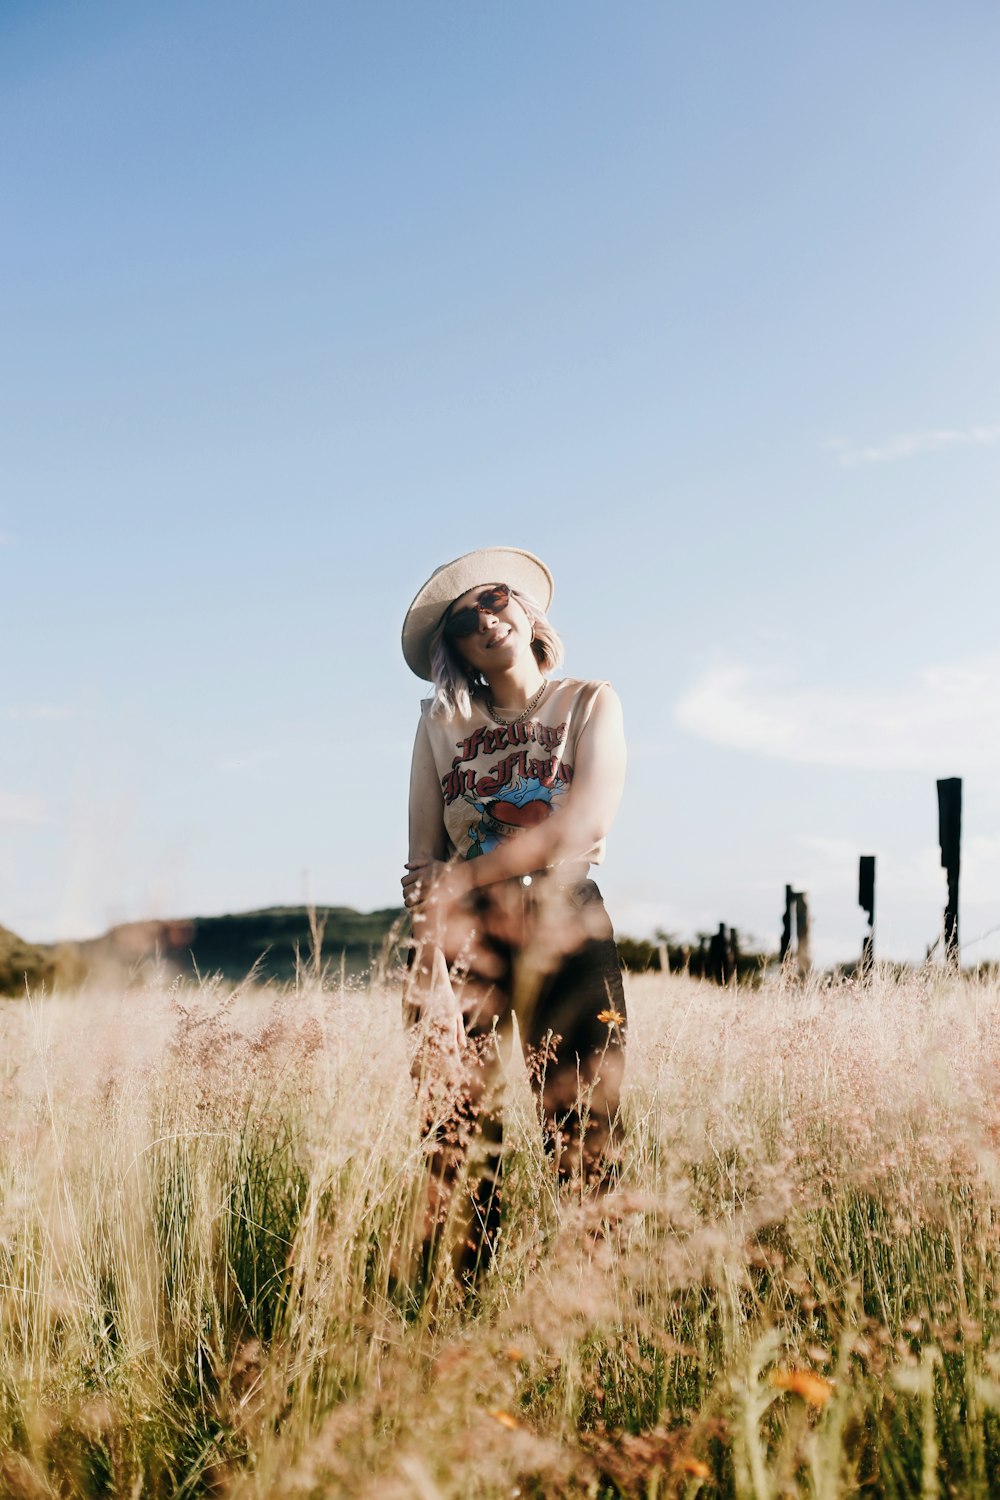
x: 456, y: 682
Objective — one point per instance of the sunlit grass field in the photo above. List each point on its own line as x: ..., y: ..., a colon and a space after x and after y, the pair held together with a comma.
x: 210, y: 1207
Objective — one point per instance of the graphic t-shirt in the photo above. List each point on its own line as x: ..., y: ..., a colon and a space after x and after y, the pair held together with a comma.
x: 498, y: 780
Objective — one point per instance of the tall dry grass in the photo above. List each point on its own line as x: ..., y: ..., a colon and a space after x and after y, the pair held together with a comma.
x: 210, y: 1213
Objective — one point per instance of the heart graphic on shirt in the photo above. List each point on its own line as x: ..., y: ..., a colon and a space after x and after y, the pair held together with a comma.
x: 511, y: 817
x: 525, y: 816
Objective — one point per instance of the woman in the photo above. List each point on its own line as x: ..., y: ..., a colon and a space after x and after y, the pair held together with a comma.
x: 515, y: 781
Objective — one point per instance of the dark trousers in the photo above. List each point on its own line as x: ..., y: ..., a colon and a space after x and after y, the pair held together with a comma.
x: 542, y: 951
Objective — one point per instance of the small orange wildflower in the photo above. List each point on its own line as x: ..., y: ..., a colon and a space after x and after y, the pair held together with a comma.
x: 695, y: 1466
x: 505, y: 1419
x: 514, y: 1354
x: 450, y: 1358
x: 805, y: 1383
x: 611, y: 1017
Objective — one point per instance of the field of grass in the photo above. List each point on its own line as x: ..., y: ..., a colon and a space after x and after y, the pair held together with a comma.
x: 210, y: 1204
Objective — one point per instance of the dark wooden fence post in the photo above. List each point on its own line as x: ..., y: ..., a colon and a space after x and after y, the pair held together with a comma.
x: 950, y: 838
x: 866, y: 899
x: 718, y: 956
x: 786, y: 925
x: 803, y: 957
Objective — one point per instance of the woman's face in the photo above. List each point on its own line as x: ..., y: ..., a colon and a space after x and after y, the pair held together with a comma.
x: 502, y: 634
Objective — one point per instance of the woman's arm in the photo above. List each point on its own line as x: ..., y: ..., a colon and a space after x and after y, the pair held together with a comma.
x: 427, y: 836
x: 428, y: 842
x: 427, y: 981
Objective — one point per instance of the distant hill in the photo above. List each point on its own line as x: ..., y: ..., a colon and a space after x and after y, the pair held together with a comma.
x: 230, y: 945
x: 19, y: 959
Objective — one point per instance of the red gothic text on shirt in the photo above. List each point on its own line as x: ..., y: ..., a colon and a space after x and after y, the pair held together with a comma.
x: 461, y: 781
x: 487, y: 741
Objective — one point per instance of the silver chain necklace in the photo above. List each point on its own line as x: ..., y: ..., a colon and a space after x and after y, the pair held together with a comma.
x: 525, y: 711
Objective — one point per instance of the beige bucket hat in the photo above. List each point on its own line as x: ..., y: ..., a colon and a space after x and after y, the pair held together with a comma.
x: 521, y: 570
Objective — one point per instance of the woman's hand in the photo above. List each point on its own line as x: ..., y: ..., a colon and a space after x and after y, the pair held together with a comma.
x: 433, y: 883
x: 418, y: 879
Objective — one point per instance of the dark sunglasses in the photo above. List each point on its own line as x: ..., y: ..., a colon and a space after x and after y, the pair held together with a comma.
x: 463, y: 622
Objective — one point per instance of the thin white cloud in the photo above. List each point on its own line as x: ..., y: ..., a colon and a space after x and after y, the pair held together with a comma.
x: 908, y: 444
x: 35, y: 713
x: 946, y: 720
x: 18, y: 808
x: 6, y: 540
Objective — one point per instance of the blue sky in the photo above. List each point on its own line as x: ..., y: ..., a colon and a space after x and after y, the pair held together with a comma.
x: 699, y: 303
